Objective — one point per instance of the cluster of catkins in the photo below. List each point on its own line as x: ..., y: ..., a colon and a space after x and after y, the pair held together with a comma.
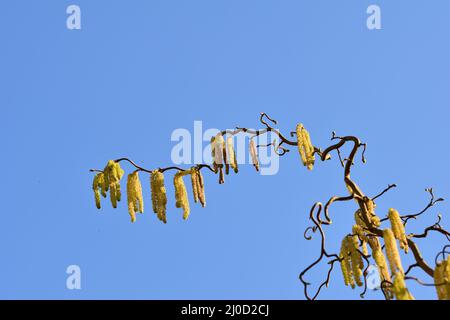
x: 356, y: 244
x: 198, y: 190
x: 224, y: 160
x: 109, y: 180
x: 224, y: 157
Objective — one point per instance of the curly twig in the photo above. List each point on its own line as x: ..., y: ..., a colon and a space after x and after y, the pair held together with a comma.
x: 432, y: 202
x: 323, y: 253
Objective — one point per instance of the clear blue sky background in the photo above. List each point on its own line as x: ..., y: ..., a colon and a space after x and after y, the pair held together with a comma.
x: 71, y: 100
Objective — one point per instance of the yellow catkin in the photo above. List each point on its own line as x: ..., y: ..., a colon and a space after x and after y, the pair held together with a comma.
x: 358, y: 219
x: 201, y: 188
x: 181, y: 196
x: 364, y: 248
x: 159, y: 195
x: 447, y: 277
x: 198, y: 186
x: 134, y: 195
x: 96, y: 187
x: 356, y: 259
x: 254, y: 154
x: 194, y: 183
x: 225, y: 157
x: 305, y: 147
x: 398, y: 229
x: 380, y: 261
x: 231, y: 154
x: 399, y: 288
x: 442, y: 279
x: 112, y: 175
x: 218, y: 152
x: 217, y: 145
x: 439, y: 281
x: 153, y: 191
x: 102, y: 184
x: 345, y: 262
x: 392, y: 251
x: 358, y: 230
x: 213, y: 154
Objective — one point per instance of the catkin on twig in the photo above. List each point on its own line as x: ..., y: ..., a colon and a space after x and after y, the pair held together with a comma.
x: 194, y: 183
x: 201, y: 186
x: 305, y: 147
x: 134, y: 195
x: 358, y: 219
x: 345, y: 262
x: 358, y: 230
x: 198, y: 186
x: 218, y: 152
x: 380, y: 261
x: 357, y: 261
x: 399, y: 287
x: 231, y: 154
x: 112, y: 175
x: 159, y: 195
x: 254, y: 154
x: 392, y: 251
x: 351, y: 261
x: 398, y: 228
x: 96, y: 187
x: 181, y: 196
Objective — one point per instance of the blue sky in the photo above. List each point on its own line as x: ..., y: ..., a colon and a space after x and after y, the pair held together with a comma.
x: 72, y: 99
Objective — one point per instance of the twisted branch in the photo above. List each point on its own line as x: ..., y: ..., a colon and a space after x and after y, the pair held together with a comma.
x: 355, y: 193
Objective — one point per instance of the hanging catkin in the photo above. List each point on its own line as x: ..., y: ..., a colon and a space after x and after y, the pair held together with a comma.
x: 231, y: 154
x: 358, y: 219
x: 201, y: 187
x: 442, y: 279
x: 218, y: 152
x: 194, y: 183
x: 345, y: 262
x: 392, y: 251
x: 134, y: 195
x: 398, y: 229
x: 305, y: 147
x: 112, y: 175
x: 358, y: 230
x: 96, y: 188
x: 103, y: 185
x: 399, y: 287
x: 225, y: 156
x: 254, y: 154
x: 181, y: 196
x: 159, y: 195
x: 357, y: 262
x: 370, y: 205
x: 197, y: 186
x: 380, y: 261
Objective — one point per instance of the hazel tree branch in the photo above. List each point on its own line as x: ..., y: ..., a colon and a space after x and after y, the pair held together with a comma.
x: 319, y: 214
